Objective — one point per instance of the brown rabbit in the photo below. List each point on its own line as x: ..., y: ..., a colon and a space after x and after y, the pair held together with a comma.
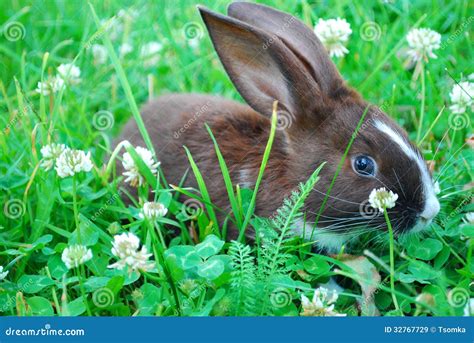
x: 270, y: 55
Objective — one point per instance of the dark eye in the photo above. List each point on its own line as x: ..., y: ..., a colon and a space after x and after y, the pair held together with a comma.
x: 364, y: 165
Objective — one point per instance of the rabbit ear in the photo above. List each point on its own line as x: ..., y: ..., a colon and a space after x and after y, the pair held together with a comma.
x: 297, y: 36
x: 261, y: 66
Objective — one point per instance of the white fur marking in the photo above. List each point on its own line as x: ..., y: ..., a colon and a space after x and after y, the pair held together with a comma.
x: 432, y: 207
x: 245, y: 178
x: 325, y: 239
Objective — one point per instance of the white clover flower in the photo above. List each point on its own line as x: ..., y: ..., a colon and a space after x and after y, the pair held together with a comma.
x: 139, y: 261
x: 125, y: 245
x: 322, y: 304
x: 72, y: 161
x: 51, y: 86
x: 125, y: 49
x: 50, y: 153
x: 422, y: 43
x: 334, y: 34
x: 43, y: 88
x: 469, y: 308
x: 132, y: 173
x: 3, y: 274
x: 75, y: 255
x: 69, y: 73
x: 470, y: 218
x: 125, y: 248
x: 381, y: 199
x: 150, y: 53
x: 462, y: 96
x: 113, y: 26
x: 100, y: 53
x: 153, y: 210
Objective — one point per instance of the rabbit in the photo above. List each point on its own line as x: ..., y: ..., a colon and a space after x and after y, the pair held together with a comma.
x: 270, y: 55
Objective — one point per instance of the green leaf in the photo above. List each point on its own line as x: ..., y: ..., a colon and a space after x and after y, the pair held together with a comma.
x: 206, y: 310
x: 13, y: 252
x: 88, y: 193
x: 75, y: 308
x: 442, y: 258
x: 84, y: 235
x: 184, y: 255
x: 209, y: 247
x: 211, y: 269
x: 286, y: 281
x: 129, y: 278
x: 98, y: 265
x: 226, y: 259
x: 48, y: 251
x: 95, y: 282
x: 205, y: 226
x: 289, y: 310
x: 56, y: 267
x: 7, y: 301
x: 383, y: 300
x: 191, y: 260
x: 316, y: 265
x: 175, y: 268
x: 34, y: 283
x: 148, y: 300
x: 423, y: 271
x: 116, y: 283
x: 40, y: 243
x: 40, y: 306
x: 426, y: 250
x: 467, y: 230
x: 406, y: 278
x: 440, y: 296
x: 245, y: 197
x: 165, y: 198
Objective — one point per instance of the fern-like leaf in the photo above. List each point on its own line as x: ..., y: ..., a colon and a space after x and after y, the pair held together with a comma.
x: 283, y: 220
x: 275, y: 232
x: 243, y: 278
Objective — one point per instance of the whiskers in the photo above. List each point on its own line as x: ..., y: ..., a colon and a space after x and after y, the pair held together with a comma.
x: 335, y: 197
x: 398, y: 180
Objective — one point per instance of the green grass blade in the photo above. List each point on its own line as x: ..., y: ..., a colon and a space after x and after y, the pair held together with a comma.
x: 203, y: 190
x: 194, y: 196
x: 266, y: 156
x: 227, y: 181
x: 420, y: 142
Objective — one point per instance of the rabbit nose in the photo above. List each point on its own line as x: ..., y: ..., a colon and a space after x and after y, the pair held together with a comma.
x: 431, y: 209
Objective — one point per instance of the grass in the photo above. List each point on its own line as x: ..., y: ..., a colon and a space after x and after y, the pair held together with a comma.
x: 392, y: 262
x: 199, y: 272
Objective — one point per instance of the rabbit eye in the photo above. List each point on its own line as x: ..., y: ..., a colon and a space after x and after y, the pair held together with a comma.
x: 364, y: 165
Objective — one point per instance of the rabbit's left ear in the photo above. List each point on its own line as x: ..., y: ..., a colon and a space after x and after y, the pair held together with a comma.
x: 262, y: 67
x: 301, y: 40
